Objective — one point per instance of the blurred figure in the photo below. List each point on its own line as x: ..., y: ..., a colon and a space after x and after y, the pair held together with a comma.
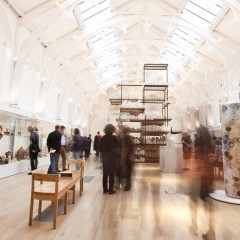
x: 109, y: 148
x: 196, y: 153
x: 77, y: 146
x: 54, y: 147
x: 204, y: 186
x: 96, y: 143
x: 187, y: 150
x: 62, y: 151
x: 33, y: 148
x: 203, y: 144
x: 126, y: 160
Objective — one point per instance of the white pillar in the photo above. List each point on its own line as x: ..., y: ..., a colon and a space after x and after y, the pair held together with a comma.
x: 215, y: 113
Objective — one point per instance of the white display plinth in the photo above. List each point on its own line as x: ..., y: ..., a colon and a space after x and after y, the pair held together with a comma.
x: 10, y: 169
x: 221, y: 196
x: 171, y: 159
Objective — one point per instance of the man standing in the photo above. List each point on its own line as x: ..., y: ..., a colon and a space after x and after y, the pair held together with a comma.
x: 96, y: 143
x: 62, y: 152
x: 54, y: 147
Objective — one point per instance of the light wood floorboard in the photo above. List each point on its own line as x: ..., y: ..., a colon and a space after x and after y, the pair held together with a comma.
x: 157, y: 207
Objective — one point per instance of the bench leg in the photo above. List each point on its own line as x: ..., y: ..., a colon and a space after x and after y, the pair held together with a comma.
x: 31, y: 211
x: 55, y: 214
x: 40, y: 207
x: 65, y: 203
x: 82, y: 184
x: 73, y: 197
x: 80, y: 187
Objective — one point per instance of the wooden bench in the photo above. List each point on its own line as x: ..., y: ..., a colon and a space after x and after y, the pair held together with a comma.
x: 80, y: 163
x: 52, y: 187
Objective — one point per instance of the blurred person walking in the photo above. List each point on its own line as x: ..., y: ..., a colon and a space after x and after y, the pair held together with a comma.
x: 187, y: 150
x: 126, y: 160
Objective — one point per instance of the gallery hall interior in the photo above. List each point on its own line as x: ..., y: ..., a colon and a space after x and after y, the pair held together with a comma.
x: 119, y: 119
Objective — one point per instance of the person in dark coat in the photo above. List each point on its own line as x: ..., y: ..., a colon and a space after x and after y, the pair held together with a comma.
x: 86, y: 146
x: 33, y: 148
x: 109, y: 148
x: 187, y: 150
x: 90, y: 141
x: 54, y: 147
x: 96, y: 143
x: 127, y: 149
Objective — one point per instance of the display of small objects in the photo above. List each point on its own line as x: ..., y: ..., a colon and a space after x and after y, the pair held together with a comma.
x: 127, y: 104
x: 7, y: 132
x: 8, y: 153
x: 21, y: 154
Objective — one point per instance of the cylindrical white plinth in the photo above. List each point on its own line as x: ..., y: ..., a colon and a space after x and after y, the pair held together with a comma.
x: 231, y: 148
x: 171, y: 159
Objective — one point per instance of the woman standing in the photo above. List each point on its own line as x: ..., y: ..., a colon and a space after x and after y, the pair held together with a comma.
x: 109, y: 147
x: 33, y: 148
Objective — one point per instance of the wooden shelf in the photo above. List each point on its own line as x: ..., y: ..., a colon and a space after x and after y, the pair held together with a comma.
x: 146, y: 133
x: 153, y: 101
x: 135, y: 131
x: 156, y: 121
x: 133, y: 111
x: 155, y: 88
x: 175, y: 132
x: 115, y: 101
x: 150, y: 144
x: 155, y: 66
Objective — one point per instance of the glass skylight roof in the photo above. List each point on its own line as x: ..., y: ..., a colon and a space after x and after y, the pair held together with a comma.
x: 93, y: 12
x: 200, y: 13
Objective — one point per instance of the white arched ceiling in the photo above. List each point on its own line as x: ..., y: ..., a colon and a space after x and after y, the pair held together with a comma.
x: 58, y: 44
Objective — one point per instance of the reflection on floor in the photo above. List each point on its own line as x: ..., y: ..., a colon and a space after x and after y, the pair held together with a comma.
x: 159, y: 206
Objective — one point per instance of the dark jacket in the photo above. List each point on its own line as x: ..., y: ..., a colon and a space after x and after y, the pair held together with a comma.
x: 127, y: 149
x: 77, y: 143
x: 34, y: 143
x: 86, y: 143
x: 96, y: 142
x: 54, y: 141
x: 109, y: 147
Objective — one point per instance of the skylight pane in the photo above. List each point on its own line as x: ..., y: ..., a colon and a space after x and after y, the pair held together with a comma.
x: 85, y: 5
x: 93, y: 12
x: 103, y: 37
x: 200, y: 12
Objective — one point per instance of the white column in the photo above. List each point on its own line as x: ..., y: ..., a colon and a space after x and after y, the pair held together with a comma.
x: 215, y: 113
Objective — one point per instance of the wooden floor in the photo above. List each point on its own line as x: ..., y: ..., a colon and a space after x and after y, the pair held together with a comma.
x: 157, y: 207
